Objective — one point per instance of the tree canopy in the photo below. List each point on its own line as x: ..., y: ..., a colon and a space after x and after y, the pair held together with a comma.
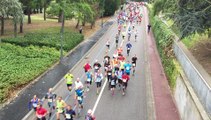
x: 189, y: 15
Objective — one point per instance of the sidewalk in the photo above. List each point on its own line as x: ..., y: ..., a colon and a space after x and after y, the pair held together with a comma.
x: 165, y: 107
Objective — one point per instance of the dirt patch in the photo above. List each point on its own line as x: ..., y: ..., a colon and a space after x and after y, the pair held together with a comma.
x: 202, y: 52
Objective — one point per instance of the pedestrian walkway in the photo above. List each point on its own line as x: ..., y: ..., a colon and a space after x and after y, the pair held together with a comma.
x: 165, y: 107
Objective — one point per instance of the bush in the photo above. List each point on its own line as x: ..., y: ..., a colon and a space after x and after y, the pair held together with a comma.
x: 19, y: 65
x: 70, y: 40
x: 164, y: 40
x: 23, y: 59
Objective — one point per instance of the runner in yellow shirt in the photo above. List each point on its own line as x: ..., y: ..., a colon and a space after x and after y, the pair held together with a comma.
x: 69, y: 81
x: 60, y: 106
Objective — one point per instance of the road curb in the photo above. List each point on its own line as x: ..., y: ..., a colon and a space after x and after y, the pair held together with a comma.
x: 85, y: 55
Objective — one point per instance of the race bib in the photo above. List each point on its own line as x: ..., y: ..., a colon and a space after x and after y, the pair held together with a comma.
x: 89, y: 79
x: 34, y: 105
x: 128, y: 48
x: 134, y: 64
x: 79, y: 98
x: 50, y: 100
x: 124, y: 80
x: 109, y: 73
x: 60, y: 110
x: 96, y: 67
x: 127, y: 68
x: 112, y: 82
x: 68, y: 116
x: 39, y: 116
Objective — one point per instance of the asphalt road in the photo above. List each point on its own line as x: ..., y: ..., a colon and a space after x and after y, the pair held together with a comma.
x: 132, y: 106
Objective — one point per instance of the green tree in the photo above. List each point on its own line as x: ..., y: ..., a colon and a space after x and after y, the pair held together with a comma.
x: 189, y: 15
x: 12, y: 8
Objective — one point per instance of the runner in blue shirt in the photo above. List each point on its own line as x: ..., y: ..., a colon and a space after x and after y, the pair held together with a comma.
x: 127, y: 67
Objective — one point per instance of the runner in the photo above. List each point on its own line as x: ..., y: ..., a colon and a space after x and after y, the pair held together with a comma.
x: 50, y: 96
x: 89, y: 115
x: 34, y: 102
x: 113, y: 83
x: 69, y: 81
x: 106, y: 62
x: 129, y: 34
x: 89, y: 79
x: 136, y: 32
x: 108, y: 44
x: 122, y: 67
x: 125, y: 79
x: 119, y: 51
x: 117, y: 40
x: 109, y: 73
x: 70, y: 113
x: 148, y: 28
x: 123, y: 35
x: 98, y: 80
x: 78, y: 84
x: 128, y: 46
x: 119, y: 76
x: 134, y: 59
x: 60, y: 106
x: 41, y: 112
x: 87, y: 67
x: 96, y: 66
x: 79, y: 97
x: 127, y: 67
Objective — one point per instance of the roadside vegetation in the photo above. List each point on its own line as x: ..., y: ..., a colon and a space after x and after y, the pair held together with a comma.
x: 30, y: 35
x: 23, y: 59
x: 164, y: 38
x: 190, y: 21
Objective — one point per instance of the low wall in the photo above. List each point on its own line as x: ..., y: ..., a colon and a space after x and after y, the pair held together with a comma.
x: 197, y: 80
x: 187, y: 102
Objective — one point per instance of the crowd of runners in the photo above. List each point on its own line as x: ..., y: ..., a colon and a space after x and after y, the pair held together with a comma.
x: 117, y: 69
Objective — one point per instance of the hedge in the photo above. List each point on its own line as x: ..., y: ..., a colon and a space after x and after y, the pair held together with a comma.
x: 164, y: 40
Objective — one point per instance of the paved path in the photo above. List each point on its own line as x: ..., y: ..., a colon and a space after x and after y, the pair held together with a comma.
x: 164, y: 102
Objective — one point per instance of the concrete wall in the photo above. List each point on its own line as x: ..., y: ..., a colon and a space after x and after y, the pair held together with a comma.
x: 188, y: 105
x: 198, y: 82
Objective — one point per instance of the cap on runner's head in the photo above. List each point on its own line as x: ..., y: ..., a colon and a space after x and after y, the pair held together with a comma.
x: 78, y: 79
x: 89, y: 111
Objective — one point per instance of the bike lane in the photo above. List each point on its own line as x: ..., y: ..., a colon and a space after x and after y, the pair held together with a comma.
x: 165, y: 108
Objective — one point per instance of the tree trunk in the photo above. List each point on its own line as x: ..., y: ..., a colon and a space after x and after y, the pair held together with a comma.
x: 40, y: 9
x: 60, y: 16
x: 21, y: 26
x: 45, y: 12
x: 77, y: 23
x: 15, y: 29
x: 2, y: 25
x: 29, y: 15
x: 84, y: 21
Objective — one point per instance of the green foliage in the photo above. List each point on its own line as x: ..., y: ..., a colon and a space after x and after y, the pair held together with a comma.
x: 190, y: 16
x: 110, y: 6
x: 164, y: 39
x: 24, y: 58
x: 192, y: 40
x: 71, y: 39
x: 19, y: 65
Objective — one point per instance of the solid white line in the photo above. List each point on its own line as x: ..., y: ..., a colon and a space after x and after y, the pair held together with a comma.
x: 101, y: 92
x: 98, y: 99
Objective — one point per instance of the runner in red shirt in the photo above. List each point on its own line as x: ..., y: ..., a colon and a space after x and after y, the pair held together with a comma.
x: 41, y: 112
x: 87, y: 67
x: 125, y: 79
